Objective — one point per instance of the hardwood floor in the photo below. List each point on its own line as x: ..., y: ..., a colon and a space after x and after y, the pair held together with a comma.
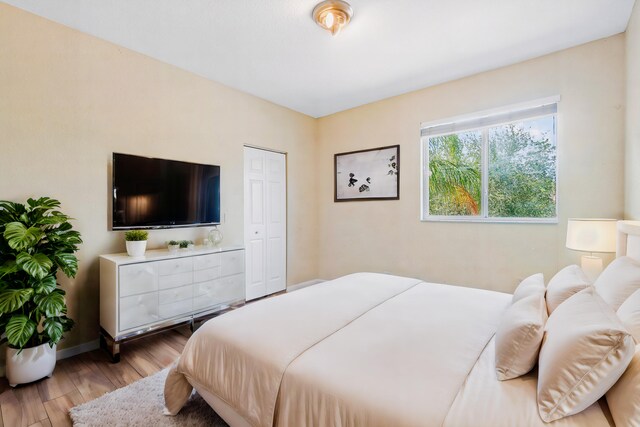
x: 81, y: 378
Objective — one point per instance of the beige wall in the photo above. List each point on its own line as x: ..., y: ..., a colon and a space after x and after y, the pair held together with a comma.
x: 387, y: 236
x: 68, y: 100
x: 632, y: 155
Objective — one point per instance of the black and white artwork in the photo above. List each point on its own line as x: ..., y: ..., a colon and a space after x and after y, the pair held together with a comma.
x: 372, y: 174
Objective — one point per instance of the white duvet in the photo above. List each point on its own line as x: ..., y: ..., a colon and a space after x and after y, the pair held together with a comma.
x: 363, y: 350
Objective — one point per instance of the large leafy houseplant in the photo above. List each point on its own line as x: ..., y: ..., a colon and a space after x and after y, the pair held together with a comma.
x: 35, y: 241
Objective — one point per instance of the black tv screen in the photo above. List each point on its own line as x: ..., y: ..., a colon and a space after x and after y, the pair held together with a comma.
x: 158, y: 193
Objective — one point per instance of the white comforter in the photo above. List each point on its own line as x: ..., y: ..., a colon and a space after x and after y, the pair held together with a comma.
x: 363, y: 350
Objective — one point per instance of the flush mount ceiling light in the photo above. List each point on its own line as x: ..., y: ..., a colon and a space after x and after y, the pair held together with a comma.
x: 332, y: 15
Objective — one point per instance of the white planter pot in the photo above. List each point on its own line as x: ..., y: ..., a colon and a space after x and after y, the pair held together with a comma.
x: 136, y: 249
x: 30, y: 364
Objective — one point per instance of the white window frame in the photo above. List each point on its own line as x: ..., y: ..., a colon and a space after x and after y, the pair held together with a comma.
x: 460, y: 124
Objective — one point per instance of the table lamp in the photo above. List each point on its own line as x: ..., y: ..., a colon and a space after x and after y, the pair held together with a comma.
x: 591, y: 235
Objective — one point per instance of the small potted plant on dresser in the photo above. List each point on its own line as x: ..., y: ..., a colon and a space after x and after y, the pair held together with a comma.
x: 187, y: 245
x: 173, y: 246
x: 35, y: 241
x: 136, y: 242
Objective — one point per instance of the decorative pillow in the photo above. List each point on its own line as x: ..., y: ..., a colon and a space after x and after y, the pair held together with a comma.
x: 585, y: 350
x: 624, y: 396
x: 519, y: 336
x: 629, y: 314
x: 618, y: 281
x: 568, y: 281
x: 529, y: 286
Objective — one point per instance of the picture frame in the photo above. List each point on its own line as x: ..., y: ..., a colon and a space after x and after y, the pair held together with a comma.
x: 371, y: 174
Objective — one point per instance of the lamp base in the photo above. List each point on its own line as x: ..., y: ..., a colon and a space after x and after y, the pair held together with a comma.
x: 592, y: 266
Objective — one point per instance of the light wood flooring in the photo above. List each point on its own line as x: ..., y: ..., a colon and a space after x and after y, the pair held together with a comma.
x: 85, y: 377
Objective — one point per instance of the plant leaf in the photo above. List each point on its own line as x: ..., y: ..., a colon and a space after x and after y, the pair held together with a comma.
x: 10, y: 211
x: 67, y: 323
x: 19, y: 237
x: 50, y: 304
x: 52, y: 219
x: 66, y: 235
x: 46, y: 285
x: 19, y: 330
x: 13, y: 299
x: 67, y: 262
x: 44, y: 203
x: 65, y: 226
x: 8, y: 267
x: 53, y: 327
x: 37, y: 265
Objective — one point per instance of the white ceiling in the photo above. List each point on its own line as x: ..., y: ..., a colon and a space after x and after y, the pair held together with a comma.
x: 273, y: 49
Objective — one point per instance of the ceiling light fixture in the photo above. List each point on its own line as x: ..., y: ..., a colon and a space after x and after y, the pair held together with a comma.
x: 332, y: 15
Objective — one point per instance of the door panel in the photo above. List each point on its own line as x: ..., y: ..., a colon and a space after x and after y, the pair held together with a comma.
x: 276, y: 223
x: 265, y: 222
x: 255, y: 224
x: 257, y: 201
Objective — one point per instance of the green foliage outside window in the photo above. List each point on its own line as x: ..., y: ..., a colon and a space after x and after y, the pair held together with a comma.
x: 521, y: 171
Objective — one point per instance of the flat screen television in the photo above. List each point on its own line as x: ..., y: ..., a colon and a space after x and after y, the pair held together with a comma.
x: 158, y: 193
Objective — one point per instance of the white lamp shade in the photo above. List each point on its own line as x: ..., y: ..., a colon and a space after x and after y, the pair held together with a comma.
x: 591, y: 235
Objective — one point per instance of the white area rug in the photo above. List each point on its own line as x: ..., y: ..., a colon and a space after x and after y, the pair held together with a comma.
x: 141, y: 404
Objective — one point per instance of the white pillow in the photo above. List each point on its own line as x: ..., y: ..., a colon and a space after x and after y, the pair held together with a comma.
x: 519, y: 336
x: 624, y: 396
x: 618, y: 281
x: 568, y: 281
x: 529, y: 286
x: 629, y: 314
x: 585, y: 350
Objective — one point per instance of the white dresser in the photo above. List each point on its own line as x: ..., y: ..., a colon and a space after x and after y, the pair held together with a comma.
x: 160, y: 290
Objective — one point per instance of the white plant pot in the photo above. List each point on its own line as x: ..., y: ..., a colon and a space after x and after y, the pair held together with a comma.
x: 30, y: 364
x: 137, y: 248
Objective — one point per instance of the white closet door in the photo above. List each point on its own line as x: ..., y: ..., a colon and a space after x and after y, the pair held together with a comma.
x: 276, y: 222
x: 265, y: 222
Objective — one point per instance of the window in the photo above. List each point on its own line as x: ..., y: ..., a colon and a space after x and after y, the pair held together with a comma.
x: 492, y: 167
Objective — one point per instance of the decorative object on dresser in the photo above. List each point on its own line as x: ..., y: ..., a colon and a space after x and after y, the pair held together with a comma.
x: 165, y: 290
x: 173, y: 246
x: 136, y: 242
x: 372, y: 174
x: 35, y: 241
x: 215, y: 236
x: 186, y: 245
x: 591, y: 235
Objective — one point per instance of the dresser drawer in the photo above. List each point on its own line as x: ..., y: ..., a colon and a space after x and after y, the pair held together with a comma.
x: 176, y: 294
x: 176, y: 308
x: 174, y: 266
x: 206, y: 275
x: 138, y: 310
x: 232, y: 287
x: 232, y: 263
x: 138, y: 279
x: 175, y: 280
x: 215, y: 292
x: 206, y: 261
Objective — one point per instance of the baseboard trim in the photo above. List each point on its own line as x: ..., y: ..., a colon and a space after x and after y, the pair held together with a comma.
x: 304, y: 284
x: 78, y: 349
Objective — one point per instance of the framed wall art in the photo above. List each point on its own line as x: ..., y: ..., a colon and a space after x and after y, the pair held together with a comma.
x: 372, y: 174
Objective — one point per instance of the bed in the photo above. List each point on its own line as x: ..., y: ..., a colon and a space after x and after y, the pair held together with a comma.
x: 365, y: 349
